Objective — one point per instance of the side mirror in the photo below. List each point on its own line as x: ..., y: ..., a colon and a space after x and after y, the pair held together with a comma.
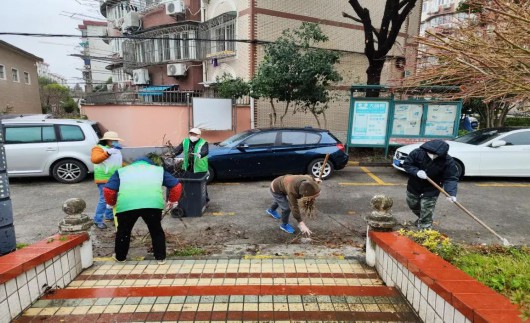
x: 242, y: 147
x: 498, y: 143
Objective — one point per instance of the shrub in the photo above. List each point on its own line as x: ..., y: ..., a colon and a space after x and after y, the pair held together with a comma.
x: 517, y: 122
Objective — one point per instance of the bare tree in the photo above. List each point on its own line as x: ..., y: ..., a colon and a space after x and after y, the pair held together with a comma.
x: 379, y: 41
x: 488, y: 56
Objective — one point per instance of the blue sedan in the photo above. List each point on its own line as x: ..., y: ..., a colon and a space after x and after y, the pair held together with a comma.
x: 276, y: 151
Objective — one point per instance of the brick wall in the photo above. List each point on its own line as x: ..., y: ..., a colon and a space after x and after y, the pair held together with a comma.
x: 24, y: 98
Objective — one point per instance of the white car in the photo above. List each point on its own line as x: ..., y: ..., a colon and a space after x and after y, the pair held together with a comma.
x: 40, y: 146
x: 486, y: 152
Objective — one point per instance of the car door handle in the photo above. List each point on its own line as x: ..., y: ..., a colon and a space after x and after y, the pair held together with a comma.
x: 51, y: 149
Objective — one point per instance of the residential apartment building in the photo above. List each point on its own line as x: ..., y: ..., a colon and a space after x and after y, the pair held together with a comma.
x: 43, y: 70
x: 185, y: 45
x: 441, y: 15
x: 96, y: 53
x: 19, y: 87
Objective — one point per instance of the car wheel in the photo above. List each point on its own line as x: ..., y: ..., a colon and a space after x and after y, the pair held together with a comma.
x: 211, y: 175
x: 460, y: 169
x: 315, y: 167
x: 69, y: 171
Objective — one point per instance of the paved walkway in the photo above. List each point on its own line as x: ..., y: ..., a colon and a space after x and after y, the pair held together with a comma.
x: 224, y: 290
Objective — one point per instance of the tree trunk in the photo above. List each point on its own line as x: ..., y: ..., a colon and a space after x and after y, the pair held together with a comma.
x: 325, y: 119
x: 284, y: 113
x: 316, y: 116
x: 273, y: 120
x: 375, y: 68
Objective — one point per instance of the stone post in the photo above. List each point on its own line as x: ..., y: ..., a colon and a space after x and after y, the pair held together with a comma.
x: 381, y: 219
x: 76, y: 222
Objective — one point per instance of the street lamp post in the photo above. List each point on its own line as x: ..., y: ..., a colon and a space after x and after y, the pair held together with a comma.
x: 7, y: 230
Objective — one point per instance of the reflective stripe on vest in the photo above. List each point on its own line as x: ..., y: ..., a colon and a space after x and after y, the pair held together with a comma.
x: 200, y: 165
x: 140, y: 187
x: 104, y: 170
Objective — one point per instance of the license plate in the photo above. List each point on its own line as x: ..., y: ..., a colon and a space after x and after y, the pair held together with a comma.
x: 397, y: 162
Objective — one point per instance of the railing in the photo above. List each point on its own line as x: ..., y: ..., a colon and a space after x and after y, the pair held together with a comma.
x: 142, y: 98
x: 138, y: 97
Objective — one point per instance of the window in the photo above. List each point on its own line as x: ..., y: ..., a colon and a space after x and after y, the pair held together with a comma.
x: 31, y: 134
x: 2, y: 72
x: 518, y: 139
x: 14, y: 75
x: 262, y: 139
x: 299, y: 138
x: 223, y: 37
x: 71, y: 133
x: 26, y: 78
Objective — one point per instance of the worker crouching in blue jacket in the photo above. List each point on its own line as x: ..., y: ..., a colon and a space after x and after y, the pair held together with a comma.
x: 430, y: 160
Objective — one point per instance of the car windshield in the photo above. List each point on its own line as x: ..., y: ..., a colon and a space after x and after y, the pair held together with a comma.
x: 235, y: 138
x: 481, y: 136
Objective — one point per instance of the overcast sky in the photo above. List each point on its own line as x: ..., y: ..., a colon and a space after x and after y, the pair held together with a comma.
x: 45, y: 16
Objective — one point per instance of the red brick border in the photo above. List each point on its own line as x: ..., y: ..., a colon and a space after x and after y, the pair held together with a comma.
x: 15, y: 263
x: 474, y: 300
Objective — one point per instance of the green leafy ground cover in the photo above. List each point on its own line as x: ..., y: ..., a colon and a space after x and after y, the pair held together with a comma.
x: 504, y: 269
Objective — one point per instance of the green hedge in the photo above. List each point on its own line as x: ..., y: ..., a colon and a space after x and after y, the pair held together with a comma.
x: 517, y: 122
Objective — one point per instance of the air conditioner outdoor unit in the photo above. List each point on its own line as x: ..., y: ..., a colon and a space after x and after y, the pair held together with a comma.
x: 175, y: 7
x: 131, y: 20
x: 176, y: 69
x: 140, y: 76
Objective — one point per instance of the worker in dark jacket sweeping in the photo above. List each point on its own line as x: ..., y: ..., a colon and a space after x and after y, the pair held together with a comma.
x: 430, y: 160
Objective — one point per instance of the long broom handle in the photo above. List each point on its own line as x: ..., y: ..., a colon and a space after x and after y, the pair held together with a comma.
x: 466, y: 210
x: 323, y: 166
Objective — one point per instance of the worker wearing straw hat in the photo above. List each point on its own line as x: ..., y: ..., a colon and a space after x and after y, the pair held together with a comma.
x: 107, y: 158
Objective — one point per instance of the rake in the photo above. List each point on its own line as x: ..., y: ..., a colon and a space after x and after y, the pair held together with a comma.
x: 504, y: 241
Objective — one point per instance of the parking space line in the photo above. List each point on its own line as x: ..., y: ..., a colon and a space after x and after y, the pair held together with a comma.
x: 368, y: 184
x: 375, y: 178
x: 503, y: 185
x: 219, y: 213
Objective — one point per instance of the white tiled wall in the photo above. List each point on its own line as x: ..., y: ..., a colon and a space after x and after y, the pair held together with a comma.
x: 20, y: 292
x: 429, y: 306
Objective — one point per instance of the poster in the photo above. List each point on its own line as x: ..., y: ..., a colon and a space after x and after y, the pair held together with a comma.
x: 407, y: 119
x: 369, y: 123
x: 440, y: 119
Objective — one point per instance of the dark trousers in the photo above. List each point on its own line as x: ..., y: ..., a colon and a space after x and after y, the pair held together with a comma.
x: 423, y: 207
x: 126, y: 221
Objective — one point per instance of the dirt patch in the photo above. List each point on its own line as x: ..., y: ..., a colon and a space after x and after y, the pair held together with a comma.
x: 369, y: 155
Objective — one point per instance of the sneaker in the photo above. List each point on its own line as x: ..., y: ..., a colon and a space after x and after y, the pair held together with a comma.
x: 101, y: 226
x: 116, y: 260
x: 287, y: 228
x: 161, y: 262
x: 274, y: 214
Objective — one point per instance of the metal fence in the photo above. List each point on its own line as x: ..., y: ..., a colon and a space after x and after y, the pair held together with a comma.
x: 137, y: 97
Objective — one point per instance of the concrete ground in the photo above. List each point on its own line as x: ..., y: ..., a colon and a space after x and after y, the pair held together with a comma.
x: 235, y: 221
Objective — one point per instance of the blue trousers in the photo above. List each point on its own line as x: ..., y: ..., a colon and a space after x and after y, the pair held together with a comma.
x: 101, y: 208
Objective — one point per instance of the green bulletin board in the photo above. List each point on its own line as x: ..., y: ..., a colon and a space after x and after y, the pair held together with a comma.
x: 386, y: 122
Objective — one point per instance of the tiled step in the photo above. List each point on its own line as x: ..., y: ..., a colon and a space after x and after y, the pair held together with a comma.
x: 224, y: 290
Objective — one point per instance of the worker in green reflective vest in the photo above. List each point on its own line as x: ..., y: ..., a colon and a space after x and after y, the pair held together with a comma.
x: 194, y: 150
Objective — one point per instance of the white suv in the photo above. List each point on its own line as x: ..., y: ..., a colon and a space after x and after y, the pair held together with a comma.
x: 39, y: 146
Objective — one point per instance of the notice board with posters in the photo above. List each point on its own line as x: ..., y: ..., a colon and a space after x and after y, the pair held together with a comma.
x: 388, y: 122
x: 369, y: 123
